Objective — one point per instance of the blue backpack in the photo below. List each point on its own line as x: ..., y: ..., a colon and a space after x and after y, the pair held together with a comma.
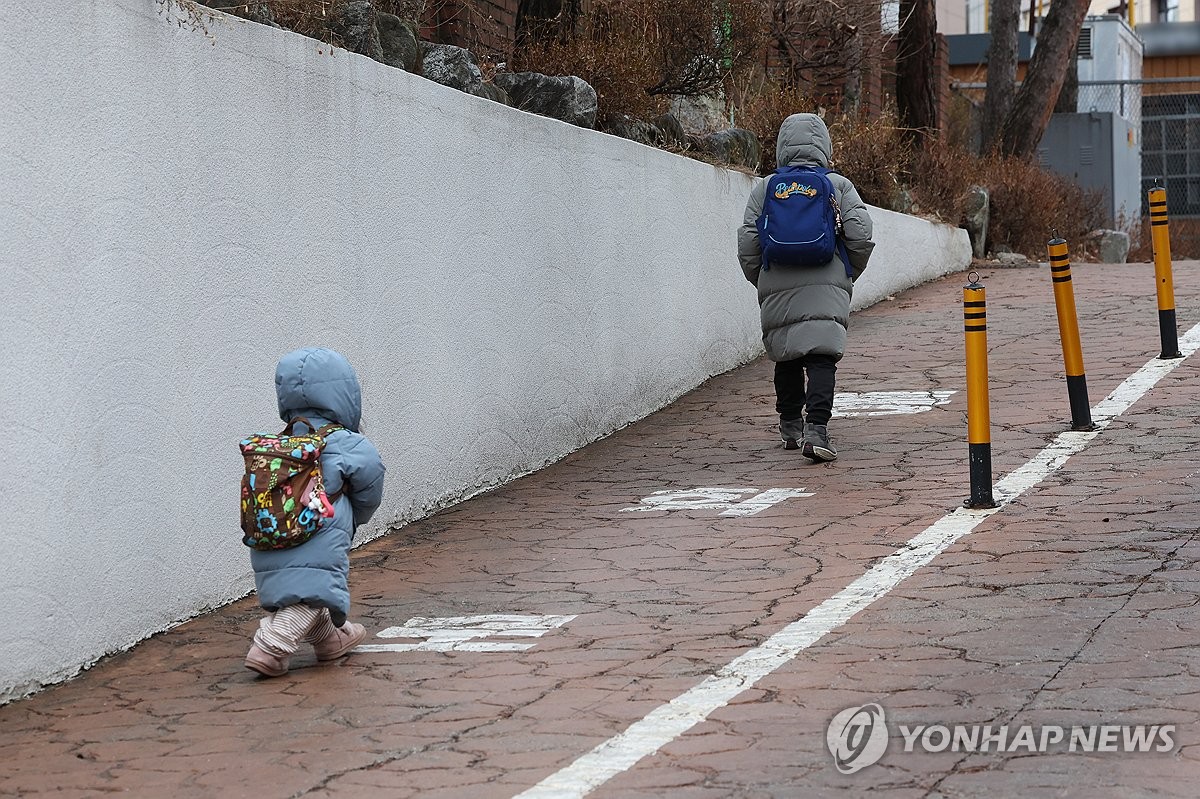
x: 800, y: 221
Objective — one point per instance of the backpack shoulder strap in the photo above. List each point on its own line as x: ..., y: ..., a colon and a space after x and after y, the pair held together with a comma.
x: 292, y: 424
x: 324, y: 433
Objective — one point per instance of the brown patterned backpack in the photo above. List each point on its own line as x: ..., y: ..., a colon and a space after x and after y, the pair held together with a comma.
x: 283, y: 491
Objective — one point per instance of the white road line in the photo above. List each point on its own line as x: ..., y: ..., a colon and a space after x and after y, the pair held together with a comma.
x: 667, y: 722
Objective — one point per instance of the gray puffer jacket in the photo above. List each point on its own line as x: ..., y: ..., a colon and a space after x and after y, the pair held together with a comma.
x: 805, y: 310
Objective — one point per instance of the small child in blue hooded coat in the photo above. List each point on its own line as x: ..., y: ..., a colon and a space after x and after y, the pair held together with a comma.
x: 304, y: 588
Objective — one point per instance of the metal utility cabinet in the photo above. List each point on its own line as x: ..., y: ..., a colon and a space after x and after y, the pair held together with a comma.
x: 1099, y: 146
x: 1098, y: 151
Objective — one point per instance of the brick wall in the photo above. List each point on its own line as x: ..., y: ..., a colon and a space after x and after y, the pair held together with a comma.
x: 486, y: 27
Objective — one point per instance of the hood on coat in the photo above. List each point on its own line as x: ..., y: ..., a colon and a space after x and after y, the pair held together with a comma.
x: 318, y: 382
x: 803, y: 139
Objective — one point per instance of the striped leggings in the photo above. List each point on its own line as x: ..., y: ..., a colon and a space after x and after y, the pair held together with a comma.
x: 282, y: 632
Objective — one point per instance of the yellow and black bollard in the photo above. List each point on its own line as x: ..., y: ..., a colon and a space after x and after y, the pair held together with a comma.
x: 1160, y: 239
x: 979, y: 420
x: 1068, y: 331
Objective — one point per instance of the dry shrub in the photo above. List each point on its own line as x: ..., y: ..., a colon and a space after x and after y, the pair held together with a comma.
x: 823, y: 46
x: 939, y: 178
x: 872, y: 152
x: 698, y: 44
x: 610, y: 52
x: 1184, y: 239
x: 635, y: 54
x: 763, y: 109
x: 1030, y: 204
x: 960, y: 123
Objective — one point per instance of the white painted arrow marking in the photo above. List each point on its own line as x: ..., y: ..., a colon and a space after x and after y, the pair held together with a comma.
x: 888, y: 403
x: 462, y: 633
x: 772, y: 496
x: 728, y: 500
x: 691, y: 499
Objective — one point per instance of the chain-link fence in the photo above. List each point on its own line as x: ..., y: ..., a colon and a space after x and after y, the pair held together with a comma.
x: 1167, y: 113
x: 1171, y: 142
x: 1123, y: 98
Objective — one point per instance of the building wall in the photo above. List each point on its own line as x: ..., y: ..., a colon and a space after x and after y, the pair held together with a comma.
x: 1146, y: 10
x: 1180, y: 66
x: 951, y: 17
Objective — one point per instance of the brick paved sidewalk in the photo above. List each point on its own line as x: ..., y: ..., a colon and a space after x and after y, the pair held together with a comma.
x: 1073, y: 605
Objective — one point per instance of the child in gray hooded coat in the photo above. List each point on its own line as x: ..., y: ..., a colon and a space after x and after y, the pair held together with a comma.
x: 805, y: 310
x: 304, y: 589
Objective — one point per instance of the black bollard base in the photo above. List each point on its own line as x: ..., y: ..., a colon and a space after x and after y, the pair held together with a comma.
x: 981, y: 477
x: 1081, y: 410
x: 1169, y: 335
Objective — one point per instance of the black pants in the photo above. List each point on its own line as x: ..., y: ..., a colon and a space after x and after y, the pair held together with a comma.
x: 791, y: 397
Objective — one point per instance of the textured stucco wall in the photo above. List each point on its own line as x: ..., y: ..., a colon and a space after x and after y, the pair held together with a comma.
x: 908, y: 252
x: 182, y: 206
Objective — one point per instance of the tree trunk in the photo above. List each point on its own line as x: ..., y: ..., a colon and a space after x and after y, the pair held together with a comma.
x: 1068, y: 96
x: 1030, y: 114
x: 916, y: 74
x: 1005, y: 23
x: 852, y: 87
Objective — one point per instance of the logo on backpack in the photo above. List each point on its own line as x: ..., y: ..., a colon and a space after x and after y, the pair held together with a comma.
x: 783, y: 190
x: 283, y: 490
x: 800, y: 220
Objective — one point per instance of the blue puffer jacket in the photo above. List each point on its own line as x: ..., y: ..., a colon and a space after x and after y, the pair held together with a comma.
x: 321, y: 386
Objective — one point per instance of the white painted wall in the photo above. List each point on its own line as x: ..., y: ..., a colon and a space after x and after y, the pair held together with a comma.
x: 908, y: 251
x: 181, y: 207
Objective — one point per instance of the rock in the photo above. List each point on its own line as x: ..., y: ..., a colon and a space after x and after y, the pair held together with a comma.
x: 451, y: 66
x: 255, y: 12
x: 1012, y: 259
x: 672, y: 131
x: 490, y: 91
x: 735, y: 146
x: 1114, y: 247
x: 262, y: 14
x: 903, y: 202
x: 975, y: 219
x: 399, y: 42
x: 354, y: 23
x: 569, y: 98
x: 638, y: 130
x: 408, y: 9
x: 700, y: 115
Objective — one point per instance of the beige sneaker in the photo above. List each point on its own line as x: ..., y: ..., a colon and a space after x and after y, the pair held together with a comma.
x: 340, y: 642
x: 266, y: 664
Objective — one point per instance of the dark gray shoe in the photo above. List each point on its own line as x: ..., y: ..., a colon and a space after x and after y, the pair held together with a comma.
x: 816, y: 446
x: 791, y: 431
